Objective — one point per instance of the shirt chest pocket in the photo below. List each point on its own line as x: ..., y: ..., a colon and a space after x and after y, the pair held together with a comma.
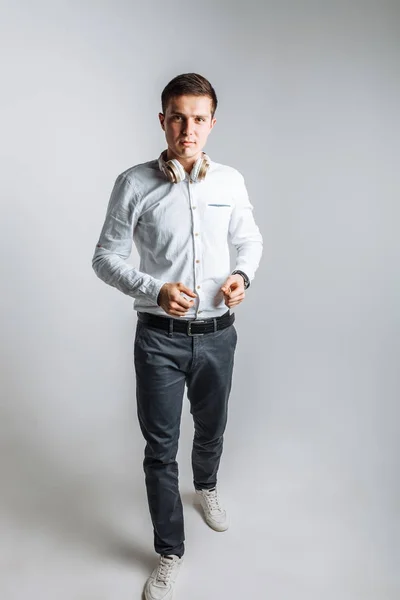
x: 217, y: 215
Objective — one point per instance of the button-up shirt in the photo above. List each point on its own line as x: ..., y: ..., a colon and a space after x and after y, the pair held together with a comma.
x: 182, y: 233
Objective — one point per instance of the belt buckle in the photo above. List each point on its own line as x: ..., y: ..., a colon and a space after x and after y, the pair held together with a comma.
x: 189, y: 328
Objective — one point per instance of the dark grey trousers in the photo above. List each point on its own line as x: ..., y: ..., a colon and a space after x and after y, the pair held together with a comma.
x: 164, y: 363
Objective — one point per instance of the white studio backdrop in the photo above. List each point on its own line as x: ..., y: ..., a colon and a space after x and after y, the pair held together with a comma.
x: 308, y: 112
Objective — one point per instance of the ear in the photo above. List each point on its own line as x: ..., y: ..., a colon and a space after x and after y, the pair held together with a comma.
x: 213, y: 121
x: 161, y: 118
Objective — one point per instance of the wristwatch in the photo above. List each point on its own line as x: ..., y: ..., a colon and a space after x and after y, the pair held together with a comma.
x: 246, y: 279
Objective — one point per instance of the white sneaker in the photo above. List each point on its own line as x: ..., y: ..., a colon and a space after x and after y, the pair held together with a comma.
x: 214, y: 514
x: 160, y: 584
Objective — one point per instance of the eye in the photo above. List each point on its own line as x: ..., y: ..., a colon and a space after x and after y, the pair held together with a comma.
x: 201, y: 119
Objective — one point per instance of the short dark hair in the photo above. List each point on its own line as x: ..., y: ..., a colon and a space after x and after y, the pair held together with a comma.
x: 190, y: 84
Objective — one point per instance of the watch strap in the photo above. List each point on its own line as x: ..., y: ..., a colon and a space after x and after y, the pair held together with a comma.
x: 245, y: 278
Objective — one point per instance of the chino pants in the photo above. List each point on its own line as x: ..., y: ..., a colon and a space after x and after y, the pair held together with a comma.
x: 164, y: 363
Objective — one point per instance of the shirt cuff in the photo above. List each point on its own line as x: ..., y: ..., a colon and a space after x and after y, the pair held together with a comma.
x: 152, y: 288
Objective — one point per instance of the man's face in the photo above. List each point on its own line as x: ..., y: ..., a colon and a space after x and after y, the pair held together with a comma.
x: 187, y: 123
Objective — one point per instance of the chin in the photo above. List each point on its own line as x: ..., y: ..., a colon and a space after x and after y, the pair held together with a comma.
x: 187, y: 152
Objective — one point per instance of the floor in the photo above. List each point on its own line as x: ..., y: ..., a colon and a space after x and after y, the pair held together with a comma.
x: 295, y: 534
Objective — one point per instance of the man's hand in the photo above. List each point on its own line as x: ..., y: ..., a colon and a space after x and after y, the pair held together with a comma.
x: 233, y: 290
x: 171, y: 300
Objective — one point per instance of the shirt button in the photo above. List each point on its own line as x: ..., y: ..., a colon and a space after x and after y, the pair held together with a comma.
x: 194, y: 208
x: 198, y: 287
x: 196, y: 234
x: 197, y: 261
x: 200, y: 311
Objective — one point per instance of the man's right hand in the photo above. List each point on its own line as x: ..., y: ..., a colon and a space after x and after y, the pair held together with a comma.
x: 171, y: 300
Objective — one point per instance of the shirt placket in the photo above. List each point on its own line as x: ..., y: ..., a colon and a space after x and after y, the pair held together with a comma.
x: 197, y: 244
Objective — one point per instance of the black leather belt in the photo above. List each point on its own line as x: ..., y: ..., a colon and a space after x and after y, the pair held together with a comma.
x: 190, y: 327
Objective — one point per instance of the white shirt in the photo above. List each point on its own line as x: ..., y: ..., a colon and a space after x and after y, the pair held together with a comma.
x: 181, y: 231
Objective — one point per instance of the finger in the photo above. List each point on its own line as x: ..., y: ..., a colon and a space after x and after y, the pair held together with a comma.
x: 177, y: 313
x: 181, y: 301
x: 231, y: 304
x: 237, y: 299
x: 237, y: 294
x: 186, y: 290
x: 231, y: 283
x: 180, y: 308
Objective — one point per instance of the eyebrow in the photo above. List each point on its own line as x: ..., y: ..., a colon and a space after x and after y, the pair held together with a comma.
x: 175, y: 112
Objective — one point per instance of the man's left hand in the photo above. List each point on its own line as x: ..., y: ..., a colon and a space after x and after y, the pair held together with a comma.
x: 233, y: 290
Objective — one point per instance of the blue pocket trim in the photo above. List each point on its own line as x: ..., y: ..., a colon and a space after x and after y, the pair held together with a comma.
x: 219, y: 205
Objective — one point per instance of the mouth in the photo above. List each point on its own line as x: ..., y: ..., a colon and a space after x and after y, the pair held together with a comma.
x: 184, y: 143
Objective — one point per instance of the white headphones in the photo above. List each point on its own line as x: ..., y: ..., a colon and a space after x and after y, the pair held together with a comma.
x: 175, y: 172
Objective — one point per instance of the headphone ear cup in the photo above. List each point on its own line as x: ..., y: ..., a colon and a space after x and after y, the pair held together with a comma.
x: 200, y: 169
x: 172, y: 169
x: 176, y: 172
x: 170, y: 172
x: 203, y: 169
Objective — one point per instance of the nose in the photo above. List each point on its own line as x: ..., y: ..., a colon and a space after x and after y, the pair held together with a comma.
x: 188, y: 127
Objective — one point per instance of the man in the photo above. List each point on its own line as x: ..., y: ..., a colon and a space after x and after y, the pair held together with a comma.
x: 181, y: 210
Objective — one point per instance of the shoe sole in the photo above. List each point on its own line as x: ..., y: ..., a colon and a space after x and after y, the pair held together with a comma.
x: 146, y: 597
x: 219, y: 528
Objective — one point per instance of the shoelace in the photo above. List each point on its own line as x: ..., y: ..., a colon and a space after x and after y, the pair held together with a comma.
x: 164, y: 570
x: 212, y: 500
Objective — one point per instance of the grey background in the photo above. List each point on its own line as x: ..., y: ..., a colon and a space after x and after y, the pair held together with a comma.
x: 309, y: 96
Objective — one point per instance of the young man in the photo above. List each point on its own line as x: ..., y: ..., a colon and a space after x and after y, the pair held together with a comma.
x: 181, y: 210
